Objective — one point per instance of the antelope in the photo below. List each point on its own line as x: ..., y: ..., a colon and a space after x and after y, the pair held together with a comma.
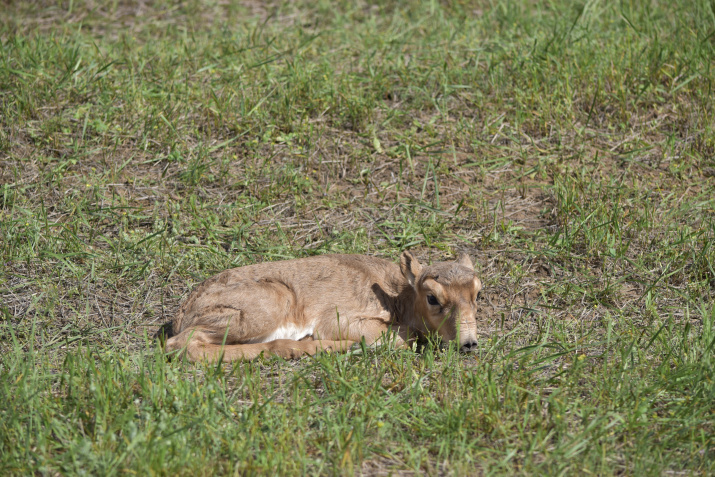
x: 299, y: 307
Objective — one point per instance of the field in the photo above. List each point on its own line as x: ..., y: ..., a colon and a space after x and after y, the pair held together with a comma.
x: 568, y: 147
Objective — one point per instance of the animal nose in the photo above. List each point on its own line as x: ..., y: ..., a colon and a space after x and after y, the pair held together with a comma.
x: 468, y: 347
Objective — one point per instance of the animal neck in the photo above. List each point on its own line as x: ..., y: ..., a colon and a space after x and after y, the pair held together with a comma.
x: 404, y: 310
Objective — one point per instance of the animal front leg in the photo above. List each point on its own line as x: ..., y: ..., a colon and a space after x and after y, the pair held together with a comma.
x: 289, y: 349
x: 377, y: 332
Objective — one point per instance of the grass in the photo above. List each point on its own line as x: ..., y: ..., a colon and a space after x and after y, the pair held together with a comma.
x: 567, y: 146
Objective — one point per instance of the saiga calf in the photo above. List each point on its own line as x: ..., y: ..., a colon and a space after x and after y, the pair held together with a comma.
x: 328, y: 302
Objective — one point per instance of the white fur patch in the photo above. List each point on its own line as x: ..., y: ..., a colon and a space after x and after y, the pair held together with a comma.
x: 287, y: 332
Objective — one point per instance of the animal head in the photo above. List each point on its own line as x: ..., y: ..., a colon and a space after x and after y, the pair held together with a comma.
x: 446, y: 295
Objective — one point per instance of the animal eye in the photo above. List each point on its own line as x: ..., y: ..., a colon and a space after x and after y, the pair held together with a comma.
x: 432, y: 300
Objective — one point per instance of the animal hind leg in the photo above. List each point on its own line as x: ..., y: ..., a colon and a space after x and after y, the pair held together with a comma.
x: 203, y: 345
x: 286, y: 349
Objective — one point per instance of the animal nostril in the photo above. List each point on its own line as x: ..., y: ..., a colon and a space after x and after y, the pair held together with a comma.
x: 469, y: 346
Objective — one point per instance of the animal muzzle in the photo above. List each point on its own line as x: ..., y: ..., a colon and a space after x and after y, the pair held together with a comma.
x: 464, y: 330
x: 467, y: 337
x: 468, y: 346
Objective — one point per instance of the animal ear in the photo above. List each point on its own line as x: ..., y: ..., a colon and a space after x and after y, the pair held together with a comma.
x: 465, y: 261
x: 410, y: 267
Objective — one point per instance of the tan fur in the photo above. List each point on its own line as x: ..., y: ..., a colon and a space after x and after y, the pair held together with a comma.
x: 328, y: 302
